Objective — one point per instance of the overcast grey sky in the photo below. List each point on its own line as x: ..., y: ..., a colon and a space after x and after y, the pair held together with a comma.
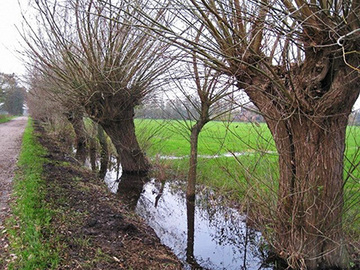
x: 10, y: 16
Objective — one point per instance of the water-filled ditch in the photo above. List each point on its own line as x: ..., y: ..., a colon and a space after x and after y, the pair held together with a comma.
x: 204, y: 235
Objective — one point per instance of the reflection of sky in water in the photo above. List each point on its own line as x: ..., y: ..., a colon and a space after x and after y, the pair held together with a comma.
x: 112, y: 175
x: 222, y: 240
x: 110, y: 180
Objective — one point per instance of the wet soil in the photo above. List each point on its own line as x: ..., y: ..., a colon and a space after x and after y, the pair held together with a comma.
x: 92, y: 227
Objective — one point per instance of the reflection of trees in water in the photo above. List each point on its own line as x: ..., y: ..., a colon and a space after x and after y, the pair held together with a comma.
x: 229, y: 228
x: 190, y: 214
x: 210, y: 224
x: 161, y: 190
x: 130, y: 188
x: 113, y: 173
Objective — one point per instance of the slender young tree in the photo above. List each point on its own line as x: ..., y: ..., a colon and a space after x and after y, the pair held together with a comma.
x: 210, y: 89
x: 202, y: 92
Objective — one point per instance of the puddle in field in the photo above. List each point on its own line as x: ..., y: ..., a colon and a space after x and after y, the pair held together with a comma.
x: 228, y: 154
x: 204, y: 235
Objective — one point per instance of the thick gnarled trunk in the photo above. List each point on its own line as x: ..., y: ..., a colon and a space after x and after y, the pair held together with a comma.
x: 122, y: 134
x: 77, y: 122
x: 308, y: 123
x: 115, y: 113
x: 310, y: 200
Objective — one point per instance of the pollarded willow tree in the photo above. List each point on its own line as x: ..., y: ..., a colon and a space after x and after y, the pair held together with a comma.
x: 298, y: 61
x: 46, y: 97
x: 103, y: 61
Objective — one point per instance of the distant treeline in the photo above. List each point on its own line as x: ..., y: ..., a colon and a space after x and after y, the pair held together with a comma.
x: 180, y: 110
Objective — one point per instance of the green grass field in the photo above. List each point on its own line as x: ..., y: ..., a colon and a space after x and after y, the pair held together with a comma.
x: 171, y: 138
x: 167, y: 142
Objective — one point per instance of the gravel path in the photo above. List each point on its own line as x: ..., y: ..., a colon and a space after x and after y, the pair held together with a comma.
x: 10, y: 143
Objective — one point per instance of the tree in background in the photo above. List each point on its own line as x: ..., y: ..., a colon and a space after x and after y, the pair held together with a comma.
x: 12, y: 95
x: 46, y: 93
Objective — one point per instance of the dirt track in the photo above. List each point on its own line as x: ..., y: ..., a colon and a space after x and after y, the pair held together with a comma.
x: 10, y: 143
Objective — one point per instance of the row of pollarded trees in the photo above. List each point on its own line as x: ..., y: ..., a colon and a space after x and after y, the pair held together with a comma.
x: 298, y: 61
x: 95, y: 60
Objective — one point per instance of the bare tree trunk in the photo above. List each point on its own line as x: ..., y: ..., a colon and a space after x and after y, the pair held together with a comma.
x: 194, y: 138
x: 122, y: 134
x: 92, y: 151
x: 309, y: 133
x: 76, y: 120
x: 310, y: 201
x: 104, y: 152
x: 191, y: 179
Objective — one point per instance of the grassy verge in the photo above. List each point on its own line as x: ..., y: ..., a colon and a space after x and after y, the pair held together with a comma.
x: 29, y: 228
x: 5, y: 118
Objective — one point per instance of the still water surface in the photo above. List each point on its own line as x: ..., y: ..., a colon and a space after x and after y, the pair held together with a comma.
x: 221, y: 238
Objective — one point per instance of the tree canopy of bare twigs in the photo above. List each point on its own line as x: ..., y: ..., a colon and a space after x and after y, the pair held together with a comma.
x: 101, y: 60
